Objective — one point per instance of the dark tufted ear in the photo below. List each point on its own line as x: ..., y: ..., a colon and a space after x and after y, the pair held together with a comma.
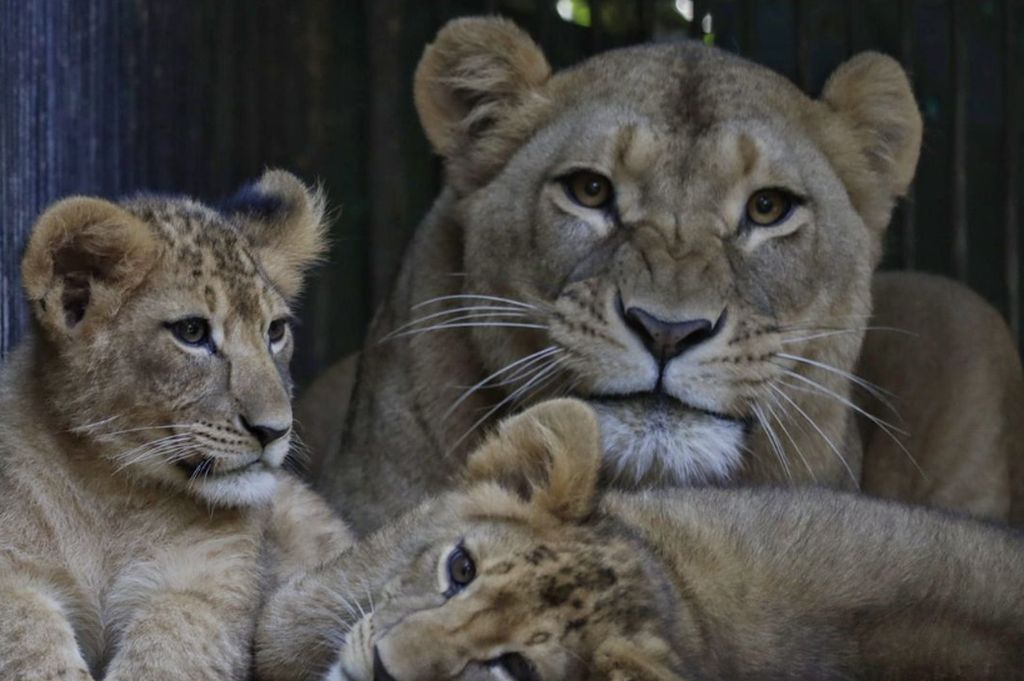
x: 872, y: 133
x: 550, y: 455
x: 286, y: 224
x: 477, y: 91
x: 84, y: 256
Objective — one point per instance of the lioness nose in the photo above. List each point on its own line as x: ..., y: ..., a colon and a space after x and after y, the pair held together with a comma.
x: 380, y: 672
x: 665, y: 339
x: 264, y: 434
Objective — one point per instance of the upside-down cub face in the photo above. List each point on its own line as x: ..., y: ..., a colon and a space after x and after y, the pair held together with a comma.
x: 503, y: 584
x: 167, y: 324
x: 675, y: 218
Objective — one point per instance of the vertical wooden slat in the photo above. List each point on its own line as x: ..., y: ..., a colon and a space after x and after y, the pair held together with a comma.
x: 958, y: 175
x: 908, y: 244
x: 1011, y: 145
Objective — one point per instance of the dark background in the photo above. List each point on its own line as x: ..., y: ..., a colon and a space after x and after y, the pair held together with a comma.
x: 107, y: 97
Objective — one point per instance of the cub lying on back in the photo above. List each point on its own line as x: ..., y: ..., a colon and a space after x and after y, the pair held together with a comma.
x: 142, y: 428
x: 526, y: 574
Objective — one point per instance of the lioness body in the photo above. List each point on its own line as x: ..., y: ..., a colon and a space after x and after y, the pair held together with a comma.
x: 699, y: 584
x: 142, y: 428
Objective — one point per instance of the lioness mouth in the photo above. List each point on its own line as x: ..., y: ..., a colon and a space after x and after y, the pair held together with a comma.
x: 659, y: 401
x: 204, y: 468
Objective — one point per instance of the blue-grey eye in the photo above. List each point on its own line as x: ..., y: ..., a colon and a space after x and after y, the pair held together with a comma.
x: 191, y: 330
x: 275, y: 332
x: 461, y: 568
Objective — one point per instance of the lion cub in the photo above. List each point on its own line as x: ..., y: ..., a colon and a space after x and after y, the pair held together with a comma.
x: 142, y: 428
x: 527, y: 572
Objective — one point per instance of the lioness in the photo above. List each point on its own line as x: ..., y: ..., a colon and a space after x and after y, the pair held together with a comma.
x: 672, y: 233
x: 142, y: 428
x: 526, y: 573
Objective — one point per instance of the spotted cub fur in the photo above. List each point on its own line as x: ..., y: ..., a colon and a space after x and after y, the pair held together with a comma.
x: 143, y: 426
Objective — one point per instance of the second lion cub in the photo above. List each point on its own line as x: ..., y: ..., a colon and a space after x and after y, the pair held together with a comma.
x: 142, y: 428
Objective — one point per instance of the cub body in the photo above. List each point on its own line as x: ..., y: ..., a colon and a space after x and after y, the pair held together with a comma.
x: 526, y: 572
x: 143, y: 426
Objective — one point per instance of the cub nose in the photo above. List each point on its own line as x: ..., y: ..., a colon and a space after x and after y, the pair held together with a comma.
x: 264, y: 434
x: 666, y: 339
x: 380, y: 672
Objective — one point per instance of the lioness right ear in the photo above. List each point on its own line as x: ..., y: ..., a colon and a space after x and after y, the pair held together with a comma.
x: 550, y: 454
x: 477, y: 90
x: 83, y: 257
x: 872, y: 133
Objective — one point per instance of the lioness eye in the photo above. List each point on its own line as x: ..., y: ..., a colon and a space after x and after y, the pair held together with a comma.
x: 589, y: 189
x: 275, y: 332
x: 767, y: 207
x: 461, y: 569
x: 191, y: 330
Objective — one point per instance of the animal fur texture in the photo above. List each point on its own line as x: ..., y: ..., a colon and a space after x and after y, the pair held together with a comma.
x: 143, y: 426
x: 514, y: 290
x: 566, y: 582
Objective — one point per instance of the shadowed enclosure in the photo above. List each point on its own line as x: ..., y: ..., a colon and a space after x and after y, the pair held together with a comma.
x: 108, y: 97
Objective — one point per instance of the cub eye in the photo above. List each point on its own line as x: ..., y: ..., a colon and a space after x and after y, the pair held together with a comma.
x: 275, y: 332
x: 191, y: 330
x: 589, y: 189
x: 767, y: 207
x: 461, y: 569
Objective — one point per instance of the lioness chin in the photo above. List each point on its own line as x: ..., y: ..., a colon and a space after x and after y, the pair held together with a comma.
x: 527, y: 572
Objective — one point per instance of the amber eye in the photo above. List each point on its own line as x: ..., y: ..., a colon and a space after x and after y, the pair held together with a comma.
x: 191, y: 330
x: 461, y: 569
x: 589, y: 189
x: 768, y: 207
x: 275, y: 332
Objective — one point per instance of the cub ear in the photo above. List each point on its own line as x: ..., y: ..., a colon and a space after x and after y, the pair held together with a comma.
x: 874, y: 133
x: 550, y: 455
x: 84, y: 256
x: 286, y: 223
x: 477, y: 91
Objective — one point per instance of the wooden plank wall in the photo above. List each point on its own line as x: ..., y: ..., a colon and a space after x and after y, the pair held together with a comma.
x: 111, y: 96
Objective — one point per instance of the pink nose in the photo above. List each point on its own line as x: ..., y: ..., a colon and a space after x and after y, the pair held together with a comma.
x: 668, y: 339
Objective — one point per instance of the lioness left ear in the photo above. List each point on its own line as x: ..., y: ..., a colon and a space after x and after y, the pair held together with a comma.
x: 873, y: 135
x: 286, y: 224
x: 550, y: 454
x: 476, y: 89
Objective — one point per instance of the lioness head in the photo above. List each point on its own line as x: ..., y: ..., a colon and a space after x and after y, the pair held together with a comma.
x: 163, y: 330
x: 677, y: 235
x: 511, y: 577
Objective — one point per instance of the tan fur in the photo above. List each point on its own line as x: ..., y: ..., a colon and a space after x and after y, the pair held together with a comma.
x: 686, y: 134
x: 138, y: 514
x: 954, y: 379
x: 696, y: 584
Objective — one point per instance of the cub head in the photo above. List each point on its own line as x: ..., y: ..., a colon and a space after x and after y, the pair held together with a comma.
x: 163, y: 334
x: 516, y: 576
x: 673, y: 226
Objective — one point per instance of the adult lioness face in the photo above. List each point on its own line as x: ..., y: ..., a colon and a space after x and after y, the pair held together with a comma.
x: 674, y: 234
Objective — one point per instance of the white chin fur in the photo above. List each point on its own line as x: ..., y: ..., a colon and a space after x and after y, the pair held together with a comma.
x: 334, y: 673
x: 668, y: 445
x: 248, y: 488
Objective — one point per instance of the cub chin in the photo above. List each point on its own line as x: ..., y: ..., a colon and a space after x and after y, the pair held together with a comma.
x: 143, y: 425
x: 526, y: 572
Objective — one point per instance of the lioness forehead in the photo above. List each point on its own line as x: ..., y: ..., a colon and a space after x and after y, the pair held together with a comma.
x: 206, y: 255
x: 687, y: 86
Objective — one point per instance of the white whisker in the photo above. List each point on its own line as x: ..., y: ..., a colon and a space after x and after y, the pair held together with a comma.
x: 472, y: 296
x: 529, y: 359
x: 875, y: 391
x: 478, y: 325
x: 469, y: 312
x: 820, y: 432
